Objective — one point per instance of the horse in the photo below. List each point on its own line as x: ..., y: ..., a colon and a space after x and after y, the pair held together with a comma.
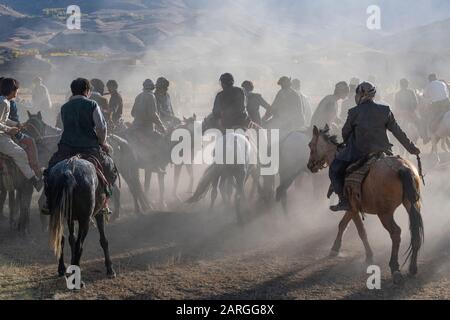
x: 236, y: 173
x: 20, y: 191
x: 47, y: 139
x: 383, y: 191
x: 76, y: 196
x: 442, y: 133
x: 293, y: 163
x: 154, y: 157
x: 188, y: 124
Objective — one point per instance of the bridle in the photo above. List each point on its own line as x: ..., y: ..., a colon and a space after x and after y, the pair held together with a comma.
x: 322, y: 163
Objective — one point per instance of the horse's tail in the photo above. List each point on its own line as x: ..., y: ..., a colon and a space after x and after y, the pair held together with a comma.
x: 60, y: 207
x: 206, y: 182
x: 411, y: 197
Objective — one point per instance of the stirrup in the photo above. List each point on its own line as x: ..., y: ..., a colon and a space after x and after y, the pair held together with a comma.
x: 341, y: 206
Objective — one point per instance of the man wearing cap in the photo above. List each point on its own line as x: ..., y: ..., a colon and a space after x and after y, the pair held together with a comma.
x: 163, y: 102
x: 406, y: 106
x: 365, y: 133
x: 145, y: 110
x: 306, y: 106
x: 255, y: 101
x: 327, y: 111
x: 230, y: 105
x: 437, y: 96
x: 286, y: 111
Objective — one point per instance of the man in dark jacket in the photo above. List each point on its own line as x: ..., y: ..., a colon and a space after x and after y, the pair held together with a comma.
x: 84, y: 132
x: 287, y: 110
x: 365, y: 133
x: 255, y: 101
x: 230, y: 105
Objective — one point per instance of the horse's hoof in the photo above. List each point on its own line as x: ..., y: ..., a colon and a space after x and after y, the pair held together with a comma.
x: 412, y: 272
x: 111, y: 274
x: 334, y: 254
x: 397, y: 278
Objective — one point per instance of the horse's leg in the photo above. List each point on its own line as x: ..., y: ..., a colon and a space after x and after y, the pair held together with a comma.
x: 83, y: 228
x: 3, y: 195
x: 214, y: 193
x: 148, y: 181
x: 223, y: 190
x: 13, y: 207
x: 239, y: 195
x: 24, y: 201
x: 342, y: 227
x: 434, y: 148
x: 176, y: 180
x: 363, y: 235
x: 116, y: 201
x: 105, y: 246
x: 395, y: 232
x: 162, y: 187
x: 61, y: 266
x: 190, y: 171
x: 44, y: 218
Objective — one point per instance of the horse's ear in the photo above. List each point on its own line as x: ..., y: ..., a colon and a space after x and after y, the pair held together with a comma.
x: 29, y: 114
x: 39, y: 114
x: 316, y: 131
x: 195, y: 117
x: 327, y: 128
x: 184, y: 119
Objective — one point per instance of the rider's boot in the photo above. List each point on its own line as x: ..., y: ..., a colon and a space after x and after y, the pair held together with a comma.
x: 343, y: 205
x: 37, y: 183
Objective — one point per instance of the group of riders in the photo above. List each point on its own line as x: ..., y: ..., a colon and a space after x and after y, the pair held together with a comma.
x: 88, y: 117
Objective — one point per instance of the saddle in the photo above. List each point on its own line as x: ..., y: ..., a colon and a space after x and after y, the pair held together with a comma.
x: 99, y: 169
x: 358, y: 172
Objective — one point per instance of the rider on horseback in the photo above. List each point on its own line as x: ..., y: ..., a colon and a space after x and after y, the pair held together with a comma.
x: 364, y: 133
x: 287, y: 109
x: 164, y: 103
x: 85, y: 132
x: 230, y: 105
x: 115, y: 105
x: 327, y: 111
x: 9, y: 129
x: 254, y: 102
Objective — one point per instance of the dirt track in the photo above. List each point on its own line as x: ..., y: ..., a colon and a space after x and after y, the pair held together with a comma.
x: 205, y: 255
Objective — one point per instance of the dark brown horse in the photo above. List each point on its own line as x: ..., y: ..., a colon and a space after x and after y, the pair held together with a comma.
x: 391, y: 182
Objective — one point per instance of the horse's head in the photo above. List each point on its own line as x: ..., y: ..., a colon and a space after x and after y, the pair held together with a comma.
x: 322, y: 147
x: 35, y: 125
x: 210, y: 122
x: 188, y: 123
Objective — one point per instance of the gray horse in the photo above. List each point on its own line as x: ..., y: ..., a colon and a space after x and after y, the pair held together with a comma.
x: 76, y: 196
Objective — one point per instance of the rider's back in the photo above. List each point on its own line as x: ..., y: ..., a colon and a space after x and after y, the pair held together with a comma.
x: 144, y: 106
x: 369, y: 122
x: 78, y: 122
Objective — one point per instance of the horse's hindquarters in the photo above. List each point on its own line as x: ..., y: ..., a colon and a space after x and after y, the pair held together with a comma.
x: 382, y: 190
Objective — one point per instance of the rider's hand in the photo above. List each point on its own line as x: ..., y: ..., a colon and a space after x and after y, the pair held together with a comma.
x: 13, y: 131
x: 163, y: 129
x: 415, y: 151
x: 106, y: 148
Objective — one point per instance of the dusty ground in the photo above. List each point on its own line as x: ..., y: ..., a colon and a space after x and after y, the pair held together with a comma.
x: 196, y: 254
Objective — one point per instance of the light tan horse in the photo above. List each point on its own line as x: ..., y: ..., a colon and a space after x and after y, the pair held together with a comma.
x: 383, y: 191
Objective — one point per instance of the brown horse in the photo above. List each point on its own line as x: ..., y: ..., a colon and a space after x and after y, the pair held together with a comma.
x: 383, y: 191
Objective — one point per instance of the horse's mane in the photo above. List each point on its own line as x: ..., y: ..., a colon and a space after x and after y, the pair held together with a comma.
x: 325, y: 133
